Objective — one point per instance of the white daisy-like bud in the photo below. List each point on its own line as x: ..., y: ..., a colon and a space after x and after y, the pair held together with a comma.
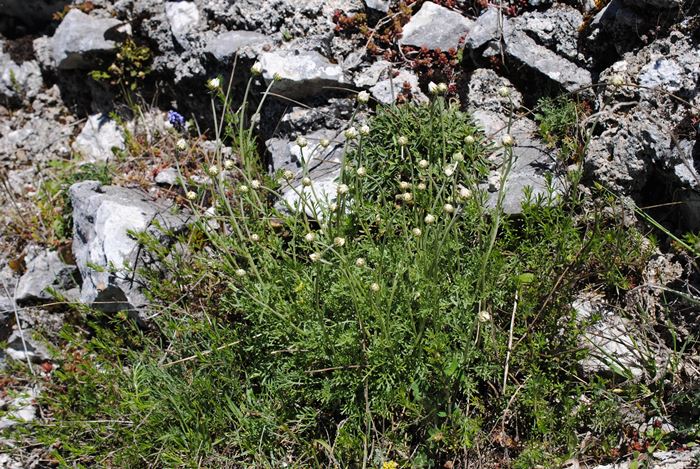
x: 465, y: 193
x: 617, y: 80
x: 310, y: 237
x: 240, y: 272
x: 421, y: 186
x: 404, y: 185
x: 484, y: 316
x: 403, y: 141
x: 503, y: 91
x: 181, y: 145
x: 351, y: 133
x: 214, y: 83
x: 432, y: 88
x: 469, y: 140
x: 243, y: 189
x: 256, y: 69
x: 429, y: 219
x: 449, y: 170
x: 339, y: 242
x: 407, y: 197
x: 315, y: 256
x: 255, y: 237
x: 423, y: 164
x: 343, y: 189
x: 374, y: 287
x: 459, y: 157
x: 364, y: 130
x: 228, y: 164
x: 360, y: 262
x: 416, y: 232
x: 255, y: 184
x: 191, y: 195
x: 442, y: 88
x: 507, y: 140
x: 288, y: 175
x: 333, y: 207
x: 361, y: 171
x: 306, y: 182
x: 301, y: 142
x: 213, y: 170
x: 324, y: 142
x: 277, y: 77
x: 449, y: 208
x: 363, y: 97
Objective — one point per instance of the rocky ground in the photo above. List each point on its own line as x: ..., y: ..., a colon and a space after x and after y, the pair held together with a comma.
x: 66, y: 79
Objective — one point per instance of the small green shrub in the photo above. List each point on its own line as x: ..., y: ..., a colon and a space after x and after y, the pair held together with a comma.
x: 559, y: 122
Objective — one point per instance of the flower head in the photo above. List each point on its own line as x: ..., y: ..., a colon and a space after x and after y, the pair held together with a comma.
x: 484, y: 316
x: 407, y: 196
x: 351, y: 133
x: 324, y: 142
x: 403, y: 141
x: 617, y: 80
x: 343, y: 189
x: 448, y: 208
x: 442, y: 88
x: 459, y: 157
x: 464, y: 193
x: 301, y: 142
x: 255, y: 184
x: 469, y: 140
x: 228, y: 164
x: 362, y: 171
x: 277, y: 77
x: 374, y: 287
x: 432, y: 88
x: 421, y: 186
x: 310, y: 237
x: 507, y: 140
x: 429, y: 219
x: 364, y: 130
x: 449, y: 170
x: 404, y: 185
x: 416, y: 232
x: 423, y: 164
x: 176, y: 120
x: 339, y: 242
x: 503, y: 91
x: 181, y: 145
x: 213, y: 170
x: 287, y: 174
x: 363, y: 97
x: 214, y: 83
x: 255, y: 237
x: 360, y: 262
x: 243, y: 189
x: 240, y: 272
x: 315, y: 256
x: 256, y: 69
x: 306, y: 182
x: 191, y: 195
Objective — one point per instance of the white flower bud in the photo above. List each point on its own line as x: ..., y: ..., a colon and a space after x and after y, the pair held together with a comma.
x: 449, y: 170
x: 416, y: 232
x: 403, y: 141
x: 421, y: 186
x: 374, y: 287
x: 503, y: 91
x: 306, y: 182
x: 339, y: 242
x: 213, y: 170
x: 228, y: 164
x: 324, y: 142
x: 181, y: 145
x: 310, y: 237
x: 364, y: 130
x: 301, y: 142
x: 360, y: 262
x: 432, y: 88
x: 469, y: 140
x: 214, y: 84
x: 442, y: 88
x: 361, y: 171
x: 351, y: 133
x: 423, y: 164
x: 255, y: 184
x: 507, y: 140
x: 243, y: 189
x: 407, y: 197
x: 465, y: 193
x: 484, y: 316
x: 315, y: 256
x: 363, y: 97
x: 404, y: 185
x: 191, y: 195
x: 459, y: 157
x: 288, y: 175
x: 255, y: 237
x: 343, y: 189
x: 617, y: 80
x: 429, y: 219
x: 449, y: 208
x: 240, y: 272
x: 256, y: 69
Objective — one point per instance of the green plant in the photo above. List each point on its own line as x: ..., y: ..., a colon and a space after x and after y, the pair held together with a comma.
x: 128, y: 70
x: 559, y: 122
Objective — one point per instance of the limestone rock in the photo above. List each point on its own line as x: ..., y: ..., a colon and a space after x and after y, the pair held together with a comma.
x: 18, y: 82
x: 487, y: 28
x: 300, y: 73
x: 225, y: 45
x: 435, y: 27
x: 80, y: 37
x: 45, y: 271
x: 99, y: 138
x: 378, y: 5
x: 105, y: 251
x: 183, y: 18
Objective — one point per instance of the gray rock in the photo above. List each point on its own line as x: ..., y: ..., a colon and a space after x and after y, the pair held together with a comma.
x: 99, y: 139
x: 555, y: 28
x: 226, y: 45
x: 435, y: 27
x: 542, y: 62
x: 80, y: 37
x: 487, y: 28
x: 483, y: 93
x: 378, y: 5
x: 616, y: 26
x: 301, y: 73
x: 387, y: 90
x: 21, y: 408
x: 46, y: 271
x: 183, y: 18
x: 677, y: 459
x: 105, y: 252
x: 22, y: 346
x: 19, y: 82
x: 663, y: 4
x: 167, y: 177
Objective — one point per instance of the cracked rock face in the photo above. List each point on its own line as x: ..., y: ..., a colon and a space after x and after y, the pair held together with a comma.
x: 423, y: 30
x: 300, y: 73
x: 99, y: 139
x: 105, y: 250
x: 45, y: 272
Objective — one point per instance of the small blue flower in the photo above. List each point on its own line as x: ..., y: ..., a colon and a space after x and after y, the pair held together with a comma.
x: 176, y: 120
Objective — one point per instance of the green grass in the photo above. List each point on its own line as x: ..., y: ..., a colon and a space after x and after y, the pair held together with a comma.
x: 422, y: 329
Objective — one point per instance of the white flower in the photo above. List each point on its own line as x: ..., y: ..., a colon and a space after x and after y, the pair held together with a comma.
x: 315, y: 256
x: 429, y: 219
x: 324, y: 142
x: 181, y: 144
x: 360, y: 262
x: 469, y: 140
x: 503, y: 91
x: 507, y: 140
x: 403, y: 141
x: 423, y: 164
x: 361, y: 171
x: 449, y: 170
x: 213, y: 170
x: 255, y: 184
x: 255, y: 237
x: 484, y: 316
x: 310, y: 237
x: 256, y: 69
x: 363, y: 97
x: 333, y: 207
x: 214, y: 83
x: 277, y: 77
x: 351, y: 133
x: 459, y: 157
x: 243, y: 189
x: 306, y: 182
x: 617, y: 80
x: 404, y: 185
x: 240, y: 272
x: 191, y: 195
x: 465, y: 193
x: 448, y: 208
x: 364, y: 130
x: 228, y: 164
x: 301, y: 142
x: 339, y: 242
x: 407, y: 197
x: 432, y: 88
x: 416, y: 232
x: 288, y: 175
x: 374, y: 287
x: 343, y: 189
x: 442, y: 88
x: 421, y: 186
